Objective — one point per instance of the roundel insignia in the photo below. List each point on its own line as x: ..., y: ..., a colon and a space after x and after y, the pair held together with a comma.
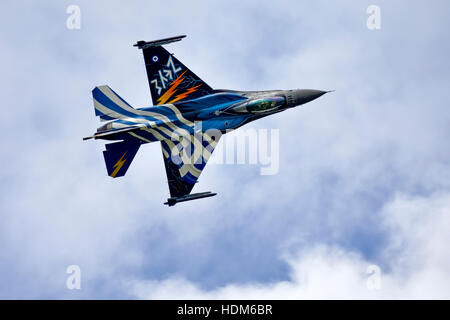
x: 155, y: 58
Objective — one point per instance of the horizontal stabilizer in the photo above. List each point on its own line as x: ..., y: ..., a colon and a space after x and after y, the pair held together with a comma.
x: 174, y: 200
x: 118, y: 157
x: 109, y: 105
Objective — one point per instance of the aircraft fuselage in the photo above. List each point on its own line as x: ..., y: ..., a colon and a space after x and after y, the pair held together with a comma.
x: 225, y: 116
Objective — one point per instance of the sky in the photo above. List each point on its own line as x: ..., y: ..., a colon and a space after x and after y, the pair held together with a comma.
x: 360, y: 206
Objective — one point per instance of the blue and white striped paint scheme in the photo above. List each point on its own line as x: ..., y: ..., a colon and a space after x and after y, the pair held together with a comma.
x: 181, y: 100
x: 163, y: 123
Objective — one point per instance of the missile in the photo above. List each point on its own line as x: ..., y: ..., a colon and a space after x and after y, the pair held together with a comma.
x: 174, y: 200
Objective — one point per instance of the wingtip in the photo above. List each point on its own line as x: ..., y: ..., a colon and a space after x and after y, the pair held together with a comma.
x: 141, y: 44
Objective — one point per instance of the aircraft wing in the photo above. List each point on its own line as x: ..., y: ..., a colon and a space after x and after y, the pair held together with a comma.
x: 184, y: 161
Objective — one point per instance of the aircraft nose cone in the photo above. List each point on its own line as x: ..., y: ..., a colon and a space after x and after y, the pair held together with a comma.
x: 301, y: 96
x: 307, y: 95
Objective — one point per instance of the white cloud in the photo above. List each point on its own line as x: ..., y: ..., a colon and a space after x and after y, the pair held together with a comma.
x: 384, y: 131
x: 419, y: 264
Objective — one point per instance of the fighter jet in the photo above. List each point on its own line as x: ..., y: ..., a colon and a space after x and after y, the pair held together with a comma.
x: 187, y: 117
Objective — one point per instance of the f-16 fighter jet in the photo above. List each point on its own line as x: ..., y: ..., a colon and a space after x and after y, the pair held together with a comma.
x: 188, y: 118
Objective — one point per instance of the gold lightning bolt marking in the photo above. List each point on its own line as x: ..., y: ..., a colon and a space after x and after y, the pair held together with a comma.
x: 119, y: 164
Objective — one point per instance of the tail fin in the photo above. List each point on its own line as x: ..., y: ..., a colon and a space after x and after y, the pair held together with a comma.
x: 109, y: 105
x: 118, y: 157
x: 169, y: 79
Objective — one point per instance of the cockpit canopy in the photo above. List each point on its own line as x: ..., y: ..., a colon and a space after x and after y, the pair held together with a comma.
x: 266, y: 104
x: 261, y: 105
